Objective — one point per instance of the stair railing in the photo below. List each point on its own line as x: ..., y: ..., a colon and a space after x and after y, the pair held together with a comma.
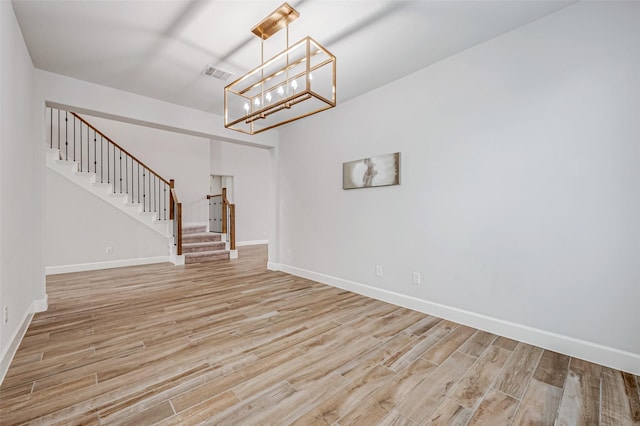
x: 95, y: 153
x: 176, y: 213
x: 222, y: 216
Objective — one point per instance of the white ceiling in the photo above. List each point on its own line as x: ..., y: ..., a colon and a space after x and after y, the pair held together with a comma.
x: 159, y: 48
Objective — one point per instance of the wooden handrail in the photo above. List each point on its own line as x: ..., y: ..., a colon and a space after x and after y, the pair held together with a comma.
x: 175, y: 213
x: 118, y: 146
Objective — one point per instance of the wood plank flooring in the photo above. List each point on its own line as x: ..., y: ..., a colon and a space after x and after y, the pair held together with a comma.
x: 232, y: 343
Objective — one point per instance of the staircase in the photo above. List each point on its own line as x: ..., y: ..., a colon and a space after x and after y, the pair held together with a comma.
x: 69, y: 169
x: 86, y: 156
x: 199, y: 246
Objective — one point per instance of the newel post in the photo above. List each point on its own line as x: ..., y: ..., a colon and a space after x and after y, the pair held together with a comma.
x: 171, y: 200
x: 224, y: 210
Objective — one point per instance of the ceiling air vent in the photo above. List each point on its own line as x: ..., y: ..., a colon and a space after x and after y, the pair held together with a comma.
x: 216, y: 72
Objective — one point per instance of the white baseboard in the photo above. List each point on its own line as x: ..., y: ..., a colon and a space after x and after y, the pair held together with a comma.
x: 81, y: 267
x: 594, y: 352
x: 251, y: 243
x: 38, y: 305
x: 41, y: 305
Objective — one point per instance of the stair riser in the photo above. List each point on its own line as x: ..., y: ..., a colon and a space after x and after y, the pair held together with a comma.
x: 199, y: 259
x: 194, y: 230
x: 208, y: 247
x: 188, y: 239
x: 98, y: 190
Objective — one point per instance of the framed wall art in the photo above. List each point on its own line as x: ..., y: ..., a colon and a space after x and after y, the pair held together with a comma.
x: 382, y: 170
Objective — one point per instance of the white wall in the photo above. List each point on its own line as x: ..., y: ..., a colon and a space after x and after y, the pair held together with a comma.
x: 520, y: 194
x: 79, y: 226
x: 250, y: 168
x: 182, y: 157
x: 22, y: 287
x: 91, y: 98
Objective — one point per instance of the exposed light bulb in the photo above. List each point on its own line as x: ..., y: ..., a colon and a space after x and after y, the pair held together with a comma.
x: 268, y: 97
x: 294, y: 85
x: 256, y: 102
x: 280, y: 91
x: 246, y: 108
x: 310, y: 76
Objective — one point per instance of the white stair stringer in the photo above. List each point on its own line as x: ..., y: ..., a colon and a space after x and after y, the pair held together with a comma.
x: 69, y: 169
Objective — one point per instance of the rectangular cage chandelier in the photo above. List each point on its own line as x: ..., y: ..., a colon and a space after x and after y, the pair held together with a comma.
x: 297, y: 82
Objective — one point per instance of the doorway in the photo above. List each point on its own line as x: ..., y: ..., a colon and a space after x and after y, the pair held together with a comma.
x: 222, y: 181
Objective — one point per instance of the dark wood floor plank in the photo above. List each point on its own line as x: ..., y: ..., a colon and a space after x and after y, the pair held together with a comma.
x: 615, y: 409
x: 633, y: 394
x: 552, y: 368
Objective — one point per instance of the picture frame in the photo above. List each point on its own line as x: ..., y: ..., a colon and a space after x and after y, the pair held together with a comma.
x: 381, y: 170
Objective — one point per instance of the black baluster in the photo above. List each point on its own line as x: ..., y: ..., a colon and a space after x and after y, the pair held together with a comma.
x: 80, y: 147
x: 74, y: 138
x: 138, y: 178
x: 66, y: 135
x: 108, y: 166
x: 88, y: 149
x: 51, y: 125
x: 101, y: 162
x: 164, y: 201
x: 126, y: 176
x: 152, y: 189
x: 120, y: 171
x: 58, y: 129
x: 144, y: 193
x: 95, y: 148
x: 155, y: 192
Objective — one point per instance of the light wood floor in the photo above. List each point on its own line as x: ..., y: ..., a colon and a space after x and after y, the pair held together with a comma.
x: 232, y: 343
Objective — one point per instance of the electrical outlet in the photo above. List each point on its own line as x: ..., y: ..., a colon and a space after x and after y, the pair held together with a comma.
x: 416, y: 278
x: 109, y: 250
x: 6, y: 314
x: 378, y: 271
